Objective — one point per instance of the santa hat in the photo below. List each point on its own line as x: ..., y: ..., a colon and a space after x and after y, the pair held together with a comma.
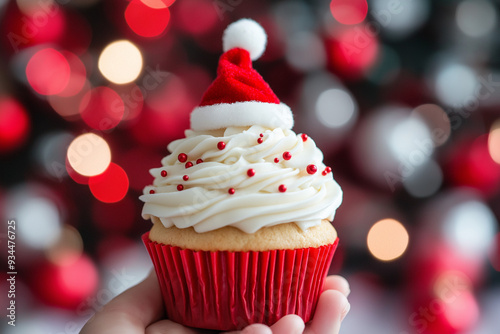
x: 239, y: 96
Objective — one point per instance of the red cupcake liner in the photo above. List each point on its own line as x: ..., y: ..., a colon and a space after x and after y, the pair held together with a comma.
x: 229, y: 290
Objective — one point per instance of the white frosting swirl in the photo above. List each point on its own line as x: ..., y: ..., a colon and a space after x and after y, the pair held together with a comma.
x: 205, y: 202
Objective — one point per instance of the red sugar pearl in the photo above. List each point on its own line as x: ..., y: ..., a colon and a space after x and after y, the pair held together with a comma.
x: 304, y: 137
x: 311, y: 169
x: 182, y: 157
x: 251, y: 172
x: 287, y: 155
x: 326, y: 171
x: 185, y: 177
x: 152, y: 191
x: 189, y: 164
x: 180, y: 187
x: 199, y: 161
x: 261, y: 135
x: 164, y: 173
x: 221, y: 145
x: 260, y: 140
x: 282, y: 188
x: 231, y: 191
x: 276, y: 160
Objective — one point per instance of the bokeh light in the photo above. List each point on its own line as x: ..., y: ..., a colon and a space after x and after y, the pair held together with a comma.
x: 494, y: 141
x: 65, y: 285
x: 146, y: 21
x: 305, y: 51
x: 349, y: 11
x: 74, y: 175
x: 43, y: 23
x: 120, y: 62
x: 68, y: 248
x: 133, y: 99
x: 89, y: 154
x: 470, y: 164
x: 102, y: 108
x: 77, y: 75
x: 14, y: 124
x: 33, y: 205
x: 470, y: 228
x: 399, y: 19
x: 476, y: 18
x: 335, y: 108
x: 391, y: 144
x: 110, y: 186
x: 437, y: 120
x: 48, y: 72
x: 34, y: 7
x: 463, y: 313
x: 353, y: 51
x: 455, y: 84
x: 411, y: 138
x: 387, y: 239
x: 158, y: 4
x: 451, y: 282
x: 68, y: 107
x: 424, y: 182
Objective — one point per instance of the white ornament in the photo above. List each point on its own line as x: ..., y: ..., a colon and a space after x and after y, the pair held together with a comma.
x: 246, y: 34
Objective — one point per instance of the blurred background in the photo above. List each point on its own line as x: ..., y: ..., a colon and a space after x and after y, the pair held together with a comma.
x: 402, y: 96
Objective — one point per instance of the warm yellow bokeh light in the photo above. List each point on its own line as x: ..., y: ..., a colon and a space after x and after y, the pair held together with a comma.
x: 120, y: 62
x: 89, y: 154
x: 494, y: 142
x: 387, y: 239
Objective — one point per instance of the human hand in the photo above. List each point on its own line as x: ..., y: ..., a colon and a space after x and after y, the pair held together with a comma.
x: 140, y: 310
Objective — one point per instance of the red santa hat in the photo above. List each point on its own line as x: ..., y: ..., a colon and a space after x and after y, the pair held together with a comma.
x: 239, y: 96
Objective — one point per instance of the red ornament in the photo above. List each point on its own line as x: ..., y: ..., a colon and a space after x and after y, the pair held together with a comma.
x: 164, y: 173
x: 221, y: 145
x: 287, y: 155
x: 182, y: 157
x: 304, y: 137
x: 189, y: 164
x: 311, y: 169
x: 199, y: 161
x: 185, y: 177
x: 231, y: 191
x: 152, y: 191
x: 260, y: 140
x: 276, y: 160
x: 180, y: 187
x: 251, y: 172
x: 282, y: 188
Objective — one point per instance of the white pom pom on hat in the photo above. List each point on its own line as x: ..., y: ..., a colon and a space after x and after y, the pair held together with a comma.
x: 246, y: 34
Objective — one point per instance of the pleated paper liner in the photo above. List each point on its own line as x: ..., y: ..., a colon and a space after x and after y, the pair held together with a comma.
x: 229, y: 290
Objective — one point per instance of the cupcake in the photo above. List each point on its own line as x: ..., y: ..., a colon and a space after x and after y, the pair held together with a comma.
x: 242, y: 206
